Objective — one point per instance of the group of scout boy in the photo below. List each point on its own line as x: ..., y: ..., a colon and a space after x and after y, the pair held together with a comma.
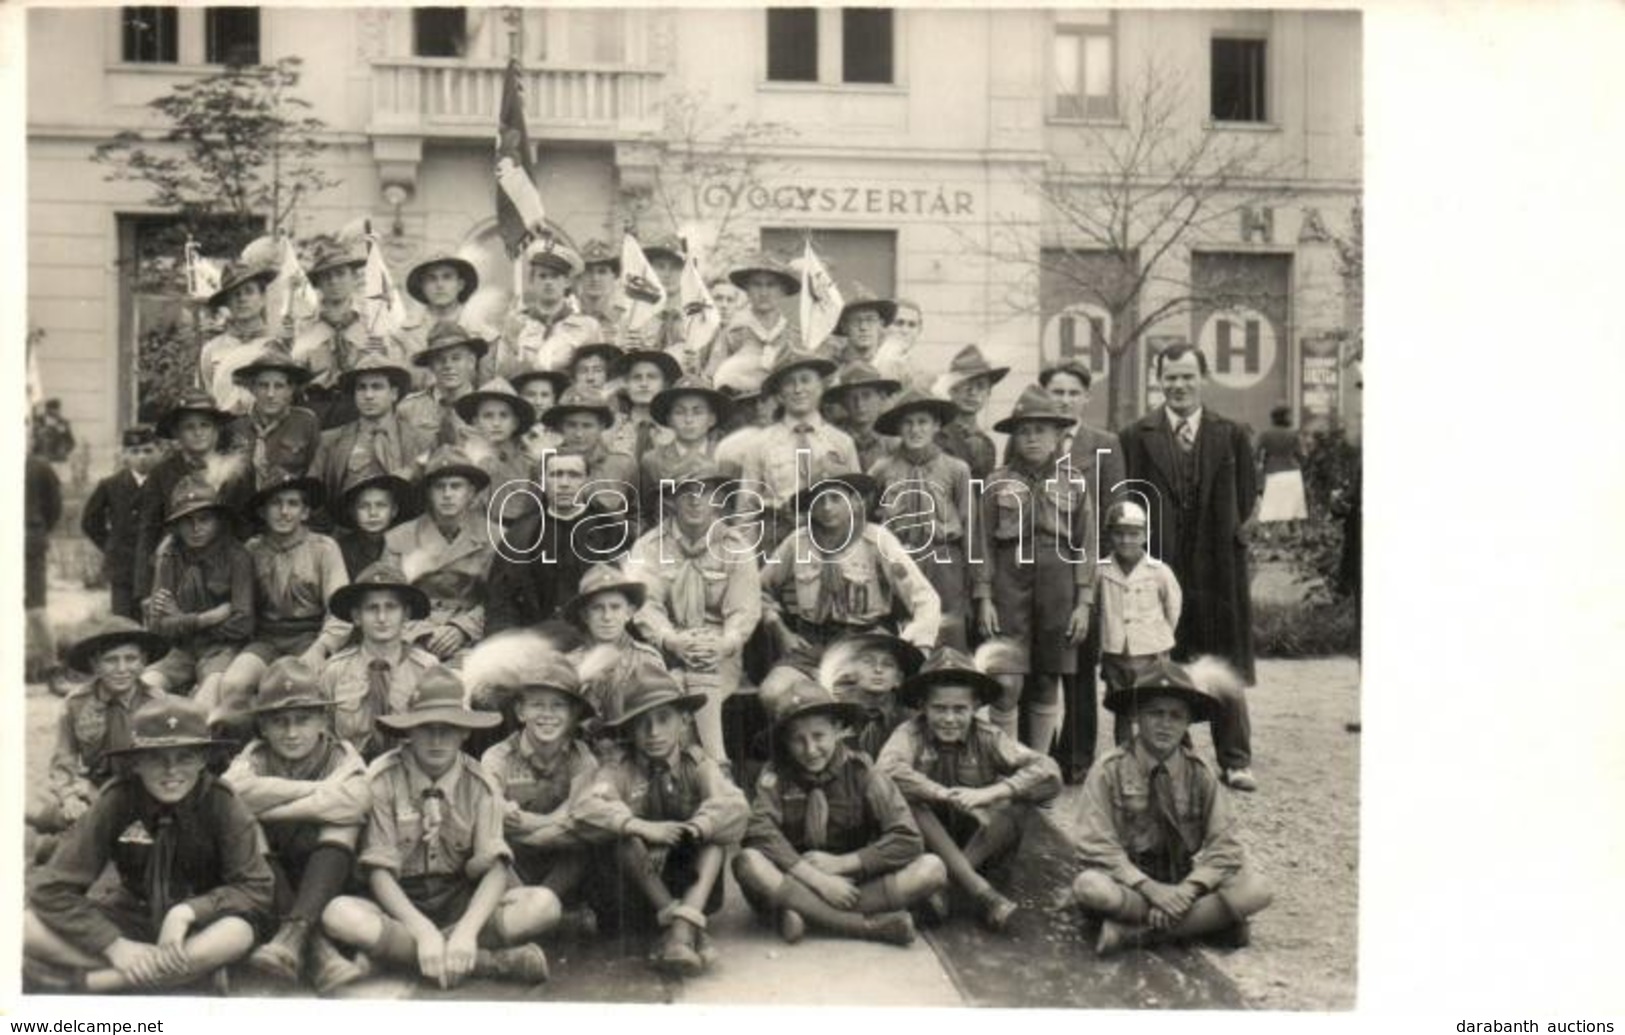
x: 585, y: 662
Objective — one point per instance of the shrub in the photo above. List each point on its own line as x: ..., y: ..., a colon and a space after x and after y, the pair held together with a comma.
x: 1306, y: 629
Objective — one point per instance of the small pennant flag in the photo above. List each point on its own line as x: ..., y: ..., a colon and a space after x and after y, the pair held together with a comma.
x: 290, y: 294
x: 645, y: 297
x: 700, y: 316
x: 381, y: 303
x: 521, y: 218
x: 202, y: 275
x: 820, y: 301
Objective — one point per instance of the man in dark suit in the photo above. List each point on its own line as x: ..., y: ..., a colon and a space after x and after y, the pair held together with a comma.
x: 110, y: 516
x: 377, y: 441
x: 1196, y: 468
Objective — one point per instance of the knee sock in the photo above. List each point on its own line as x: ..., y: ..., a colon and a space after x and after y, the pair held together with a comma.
x: 326, y: 870
x: 1043, y: 722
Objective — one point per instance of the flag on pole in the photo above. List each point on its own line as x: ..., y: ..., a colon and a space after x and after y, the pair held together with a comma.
x: 700, y: 316
x: 520, y: 216
x: 202, y: 275
x: 820, y: 301
x: 645, y: 297
x: 381, y: 303
x: 290, y: 294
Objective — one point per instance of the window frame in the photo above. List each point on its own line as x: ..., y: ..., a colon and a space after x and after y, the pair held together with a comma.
x: 123, y: 38
x: 1266, y: 95
x: 891, y: 58
x: 259, y: 34
x: 1083, y: 31
x: 767, y: 47
x: 412, y: 33
x: 831, y: 57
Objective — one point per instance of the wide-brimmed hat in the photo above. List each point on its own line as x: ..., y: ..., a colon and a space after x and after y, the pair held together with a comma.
x: 863, y: 299
x: 376, y: 363
x: 605, y: 578
x: 770, y: 265
x: 580, y: 400
x: 499, y: 389
x: 330, y: 255
x: 283, y: 481
x: 695, y: 385
x: 793, y: 360
x: 968, y: 363
x: 193, y: 400
x: 438, y: 699
x: 237, y: 274
x: 512, y: 663
x: 598, y: 253
x: 559, y: 379
x: 289, y: 684
x: 272, y: 358
x: 915, y: 401
x: 471, y: 276
x: 1162, y: 679
x: 859, y: 374
x: 949, y: 667
x: 855, y: 481
x: 841, y: 656
x: 190, y: 495
x: 407, y: 503
x: 612, y: 353
x: 380, y: 576
x: 170, y: 721
x: 1126, y: 514
x: 1035, y: 404
x: 651, y: 689
x: 669, y: 246
x: 800, y: 696
x: 670, y: 369
x: 449, y: 461
x: 555, y: 255
x: 447, y: 335
x: 113, y: 631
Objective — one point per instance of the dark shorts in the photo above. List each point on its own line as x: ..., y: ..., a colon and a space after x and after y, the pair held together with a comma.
x: 443, y: 899
x: 621, y: 907
x: 188, y: 667
x: 270, y: 646
x: 1034, y: 601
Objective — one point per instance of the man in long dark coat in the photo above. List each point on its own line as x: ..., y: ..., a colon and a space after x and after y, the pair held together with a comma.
x: 1197, y: 470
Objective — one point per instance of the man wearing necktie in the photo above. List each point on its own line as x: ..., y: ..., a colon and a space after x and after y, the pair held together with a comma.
x: 1196, y: 469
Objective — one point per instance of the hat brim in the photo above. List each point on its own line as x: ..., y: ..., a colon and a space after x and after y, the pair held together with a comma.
x: 471, y: 278
x: 993, y: 374
x: 883, y: 384
x: 657, y: 250
x: 721, y: 404
x: 1007, y: 426
x: 311, y: 487
x: 405, y: 495
x: 334, y: 264
x: 400, y: 377
x: 220, y: 298
x: 477, y: 475
x: 791, y: 284
x: 908, y: 656
x: 167, y: 744
x: 914, y: 689
x: 292, y: 704
x: 469, y: 405
x: 510, y: 696
x: 462, y: 718
x: 424, y: 357
x: 563, y: 265
x: 669, y: 367
x: 824, y: 367
x: 613, y: 355
x: 1125, y: 700
x: 297, y: 373
x: 342, y: 603
x: 857, y: 482
x: 555, y: 414
x: 684, y: 702
x: 81, y: 657
x: 885, y: 307
x: 559, y: 379
x: 193, y: 508
x: 166, y: 424
x: 635, y: 592
x: 890, y: 422
x: 841, y: 711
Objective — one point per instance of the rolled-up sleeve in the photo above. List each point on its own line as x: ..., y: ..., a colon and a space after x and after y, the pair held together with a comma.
x: 56, y: 891
x: 489, y: 845
x: 896, y: 761
x: 1220, y: 856
x: 381, y: 842
x: 1032, y: 777
x: 723, y: 812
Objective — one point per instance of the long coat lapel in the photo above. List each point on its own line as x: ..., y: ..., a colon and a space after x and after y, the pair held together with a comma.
x: 1159, y: 443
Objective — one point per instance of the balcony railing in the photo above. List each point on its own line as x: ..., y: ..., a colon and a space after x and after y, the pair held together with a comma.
x: 459, y: 98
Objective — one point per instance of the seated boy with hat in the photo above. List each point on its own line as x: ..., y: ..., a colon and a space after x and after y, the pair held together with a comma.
x: 969, y: 783
x: 308, y: 789
x: 865, y: 670
x: 379, y: 675
x: 830, y: 839
x: 673, y: 812
x: 446, y: 904
x: 1158, y: 840
x: 191, y: 889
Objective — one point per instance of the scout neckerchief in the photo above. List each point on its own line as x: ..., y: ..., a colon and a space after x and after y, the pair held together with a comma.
x: 432, y: 806
x: 688, y: 584
x: 311, y: 768
x: 263, y: 468
x: 172, y: 826
x: 815, y: 826
x: 115, y: 717
x: 278, y: 579
x: 667, y: 800
x: 1177, y: 852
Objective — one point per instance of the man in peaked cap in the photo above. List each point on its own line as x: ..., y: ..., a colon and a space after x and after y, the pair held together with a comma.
x: 595, y: 285
x: 968, y: 382
x: 111, y: 514
x: 542, y: 334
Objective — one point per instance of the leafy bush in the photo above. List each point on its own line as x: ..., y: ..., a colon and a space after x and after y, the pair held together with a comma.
x: 1307, y: 629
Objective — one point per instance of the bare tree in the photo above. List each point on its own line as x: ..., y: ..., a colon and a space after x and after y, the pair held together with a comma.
x: 1125, y: 215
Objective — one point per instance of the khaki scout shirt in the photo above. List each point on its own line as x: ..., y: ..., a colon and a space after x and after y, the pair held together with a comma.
x: 875, y: 571
x: 345, y: 677
x: 771, y: 464
x: 469, y: 841
x: 925, y: 770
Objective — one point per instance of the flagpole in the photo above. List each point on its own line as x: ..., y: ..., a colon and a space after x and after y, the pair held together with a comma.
x: 516, y: 49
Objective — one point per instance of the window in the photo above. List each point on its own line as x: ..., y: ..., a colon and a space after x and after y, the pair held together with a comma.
x: 150, y: 34
x: 866, y: 45
x: 231, y: 35
x: 1085, y: 86
x: 792, y: 44
x: 1238, y: 86
x: 440, y: 32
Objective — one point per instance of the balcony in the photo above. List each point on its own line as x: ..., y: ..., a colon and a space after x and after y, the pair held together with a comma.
x: 441, y: 98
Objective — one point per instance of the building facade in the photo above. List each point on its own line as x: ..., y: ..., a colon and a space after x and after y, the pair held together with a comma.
x: 921, y: 150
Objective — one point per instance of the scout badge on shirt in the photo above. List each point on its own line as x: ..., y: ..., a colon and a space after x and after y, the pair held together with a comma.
x: 135, y: 834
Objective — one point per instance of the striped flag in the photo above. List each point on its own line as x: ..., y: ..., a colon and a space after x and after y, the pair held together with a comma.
x: 645, y: 296
x: 520, y: 216
x: 820, y: 301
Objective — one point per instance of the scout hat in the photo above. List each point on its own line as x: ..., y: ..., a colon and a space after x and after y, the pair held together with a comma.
x: 863, y: 299
x: 376, y: 363
x: 331, y: 255
x: 613, y: 355
x: 771, y: 265
x: 554, y: 255
x: 446, y: 335
x: 793, y: 360
x: 651, y: 689
x: 464, y: 268
x: 438, y: 698
x: 510, y: 663
x: 855, y: 481
x: 690, y: 385
x: 800, y: 697
x: 380, y: 575
x: 138, y: 435
x: 289, y: 684
x: 605, y: 578
x: 559, y: 379
x: 193, y: 400
x: 915, y: 401
x: 969, y: 363
x: 404, y: 493
x: 597, y: 253
x: 1162, y: 679
x: 191, y: 495
x: 450, y: 462
x: 579, y: 400
x: 859, y: 375
x: 949, y: 667
x: 840, y: 658
x: 670, y: 247
x: 1126, y: 514
x: 272, y: 358
x: 1035, y: 404
x: 170, y: 721
x: 282, y: 481
x: 237, y: 274
x: 670, y: 369
x: 113, y: 631
x: 503, y: 392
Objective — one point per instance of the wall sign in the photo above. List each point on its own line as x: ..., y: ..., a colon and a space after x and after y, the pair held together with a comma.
x: 1239, y: 345
x: 843, y: 199
x: 1078, y: 333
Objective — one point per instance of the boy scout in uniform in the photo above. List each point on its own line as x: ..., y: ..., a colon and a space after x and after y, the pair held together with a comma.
x: 308, y: 790
x: 495, y: 415
x: 595, y: 286
x: 604, y: 609
x: 581, y: 418
x: 242, y: 289
x: 861, y: 326
x: 1158, y: 841
x: 111, y: 515
x: 645, y: 373
x: 191, y: 889
x: 442, y: 284
x: 379, y: 675
x: 830, y: 841
x: 378, y: 440
x: 447, y: 554
x: 865, y: 670
x: 453, y: 355
x: 540, y: 388
x: 445, y: 903
x: 693, y: 411
x: 278, y: 437
x: 673, y: 813
x: 543, y: 334
x: 664, y: 333
x: 968, y: 382
x: 94, y: 721
x: 860, y: 391
x: 336, y: 340
x: 368, y: 508
x: 760, y: 334
x: 970, y: 784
